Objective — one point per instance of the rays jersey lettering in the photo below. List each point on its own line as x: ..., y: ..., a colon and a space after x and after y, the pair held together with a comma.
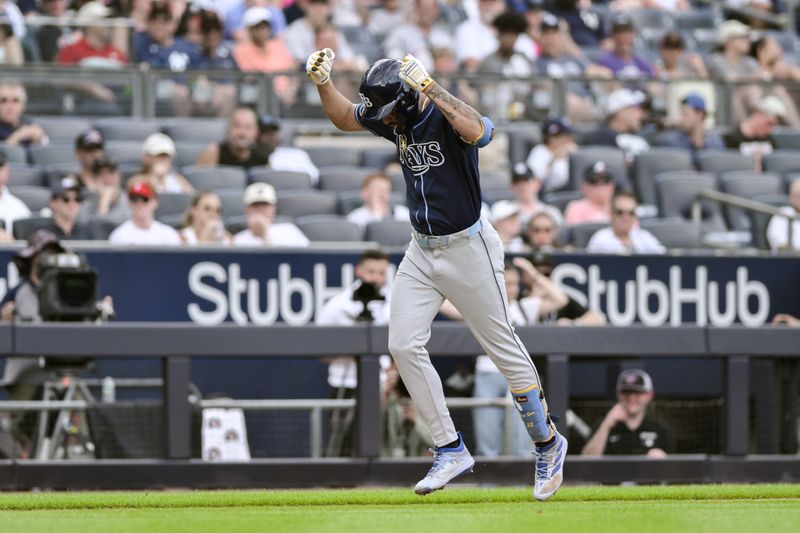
x: 420, y: 157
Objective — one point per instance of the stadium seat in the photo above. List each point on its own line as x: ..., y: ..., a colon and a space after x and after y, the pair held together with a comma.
x: 719, y: 161
x: 20, y: 175
x: 232, y: 202
x: 198, y: 130
x: 648, y: 165
x: 495, y: 180
x: 760, y: 221
x: 389, y: 232
x: 398, y: 181
x: 343, y: 178
x: 62, y: 129
x: 126, y: 129
x: 333, y: 156
x: 302, y: 203
x: 14, y: 154
x: 747, y: 185
x: 24, y: 227
x: 209, y: 178
x: 101, y: 227
x: 491, y: 196
x: 786, y: 139
x: 282, y: 180
x: 587, y: 156
x: 349, y: 200
x: 52, y: 153
x: 696, y: 19
x: 560, y: 199
x: 186, y: 152
x: 675, y: 233
x: 522, y: 137
x: 651, y: 19
x: 124, y: 151
x: 580, y: 234
x: 173, y: 203
x: 677, y: 192
x: 54, y: 172
x: 328, y: 228
x: 36, y: 198
x: 782, y: 162
x: 375, y: 157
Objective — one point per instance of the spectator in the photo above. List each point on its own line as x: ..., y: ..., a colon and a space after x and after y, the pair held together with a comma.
x: 213, y: 97
x: 692, y: 134
x: 423, y: 31
x: 675, y: 62
x: 260, y: 206
x: 215, y: 52
x: 777, y: 230
x: 66, y: 200
x: 627, y: 428
x: 376, y: 17
x: 49, y: 36
x: 731, y: 61
x: 10, y: 45
x: 772, y: 66
x: 504, y: 216
x: 107, y: 199
x: 143, y: 228
x: 550, y: 159
x: 202, y: 223
x: 366, y: 300
x: 88, y: 149
x: 235, y: 28
x: 572, y: 313
x: 95, y: 48
x: 11, y: 207
x: 621, y: 60
x: 508, y: 99
x: 556, y: 62
x: 595, y: 206
x: 475, y: 39
x: 525, y: 186
x: 376, y: 190
x: 753, y: 136
x: 585, y: 26
x: 624, y: 236
x: 623, y: 124
x: 286, y: 158
x: 301, y: 34
x: 15, y: 128
x: 239, y: 147
x: 158, y: 152
x: 260, y: 51
x: 541, y: 232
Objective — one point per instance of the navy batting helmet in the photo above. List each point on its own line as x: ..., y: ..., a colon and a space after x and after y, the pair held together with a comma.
x: 382, y: 89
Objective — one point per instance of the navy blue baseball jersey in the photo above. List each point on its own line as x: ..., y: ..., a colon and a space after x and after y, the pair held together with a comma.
x: 443, y: 189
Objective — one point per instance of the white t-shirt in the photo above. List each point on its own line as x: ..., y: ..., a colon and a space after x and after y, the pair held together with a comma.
x: 290, y: 159
x: 476, y: 40
x: 189, y: 237
x: 11, y: 208
x: 777, y: 228
x: 555, y: 176
x: 284, y: 234
x: 341, y: 310
x: 605, y: 242
x: 157, y: 234
x: 524, y: 312
x: 363, y: 216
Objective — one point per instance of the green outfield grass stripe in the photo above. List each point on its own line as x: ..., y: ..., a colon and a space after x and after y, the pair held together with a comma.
x: 380, y: 496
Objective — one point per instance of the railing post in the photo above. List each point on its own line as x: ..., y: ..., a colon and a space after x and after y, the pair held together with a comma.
x: 737, y: 405
x: 368, y: 407
x: 177, y: 411
x: 557, y: 391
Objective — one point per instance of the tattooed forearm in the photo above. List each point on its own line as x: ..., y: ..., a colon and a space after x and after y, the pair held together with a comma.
x: 465, y: 120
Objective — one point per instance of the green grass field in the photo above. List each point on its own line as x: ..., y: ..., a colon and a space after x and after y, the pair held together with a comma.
x: 712, y: 508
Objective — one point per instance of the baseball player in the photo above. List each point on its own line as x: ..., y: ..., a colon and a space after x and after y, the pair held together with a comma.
x: 454, y: 253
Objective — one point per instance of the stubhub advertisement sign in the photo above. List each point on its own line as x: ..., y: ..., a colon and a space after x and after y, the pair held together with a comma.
x: 212, y: 286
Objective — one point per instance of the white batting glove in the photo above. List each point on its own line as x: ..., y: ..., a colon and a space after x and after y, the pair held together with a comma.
x: 319, y: 66
x: 414, y: 74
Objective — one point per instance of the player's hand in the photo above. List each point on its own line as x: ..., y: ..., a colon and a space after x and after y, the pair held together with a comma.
x: 414, y: 74
x: 319, y: 66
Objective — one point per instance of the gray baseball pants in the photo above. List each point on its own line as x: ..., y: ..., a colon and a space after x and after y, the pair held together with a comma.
x: 467, y: 269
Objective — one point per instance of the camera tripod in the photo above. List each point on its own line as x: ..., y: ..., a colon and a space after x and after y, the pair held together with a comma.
x: 68, y: 385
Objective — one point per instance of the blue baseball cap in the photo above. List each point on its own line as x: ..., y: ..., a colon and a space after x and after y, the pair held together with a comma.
x: 695, y: 101
x: 557, y: 126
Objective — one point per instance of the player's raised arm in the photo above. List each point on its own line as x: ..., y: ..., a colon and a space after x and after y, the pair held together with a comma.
x: 467, y: 122
x: 339, y: 109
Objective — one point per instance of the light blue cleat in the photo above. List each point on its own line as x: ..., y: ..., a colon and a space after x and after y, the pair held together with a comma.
x: 549, y: 467
x: 448, y: 464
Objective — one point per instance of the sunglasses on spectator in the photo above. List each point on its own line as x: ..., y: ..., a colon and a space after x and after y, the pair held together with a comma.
x: 137, y: 198
x: 601, y: 179
x: 623, y: 212
x: 67, y: 199
x: 6, y: 100
x: 542, y: 229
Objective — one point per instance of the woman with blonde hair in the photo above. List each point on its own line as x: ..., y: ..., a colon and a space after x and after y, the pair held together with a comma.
x: 158, y: 153
x: 202, y: 223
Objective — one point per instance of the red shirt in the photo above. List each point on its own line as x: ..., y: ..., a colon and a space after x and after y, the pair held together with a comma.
x: 75, y: 53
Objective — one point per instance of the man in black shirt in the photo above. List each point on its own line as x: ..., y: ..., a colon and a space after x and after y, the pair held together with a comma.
x: 753, y: 136
x: 627, y: 429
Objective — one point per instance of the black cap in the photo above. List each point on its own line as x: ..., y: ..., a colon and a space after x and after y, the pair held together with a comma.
x: 38, y: 241
x: 597, y: 173
x: 104, y: 163
x: 549, y: 22
x: 268, y: 122
x: 634, y: 381
x: 672, y: 41
x: 89, y: 139
x: 621, y: 22
x: 510, y: 22
x: 557, y: 126
x: 159, y: 10
x: 521, y: 172
x: 63, y: 185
